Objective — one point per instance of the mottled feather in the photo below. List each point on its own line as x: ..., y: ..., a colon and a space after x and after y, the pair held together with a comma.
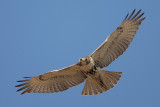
x: 117, y: 43
x: 54, y: 81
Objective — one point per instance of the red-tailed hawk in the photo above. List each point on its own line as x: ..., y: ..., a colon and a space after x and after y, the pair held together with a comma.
x: 89, y: 68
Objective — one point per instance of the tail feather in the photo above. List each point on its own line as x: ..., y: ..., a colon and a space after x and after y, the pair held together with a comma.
x: 92, y: 87
x: 105, y: 81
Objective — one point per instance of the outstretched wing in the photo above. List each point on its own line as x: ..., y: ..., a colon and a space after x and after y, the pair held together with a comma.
x: 54, y: 81
x: 118, y: 41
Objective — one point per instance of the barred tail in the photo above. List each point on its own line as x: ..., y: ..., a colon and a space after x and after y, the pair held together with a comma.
x: 105, y: 81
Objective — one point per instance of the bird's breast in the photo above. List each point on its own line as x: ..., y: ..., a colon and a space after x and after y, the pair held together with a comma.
x: 87, y: 67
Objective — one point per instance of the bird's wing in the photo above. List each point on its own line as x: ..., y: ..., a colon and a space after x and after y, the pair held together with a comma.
x: 54, y: 81
x: 118, y: 41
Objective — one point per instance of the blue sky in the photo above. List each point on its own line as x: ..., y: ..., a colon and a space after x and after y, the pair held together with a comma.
x: 37, y: 36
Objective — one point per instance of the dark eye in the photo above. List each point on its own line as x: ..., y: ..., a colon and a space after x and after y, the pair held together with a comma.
x: 86, y: 59
x: 80, y: 59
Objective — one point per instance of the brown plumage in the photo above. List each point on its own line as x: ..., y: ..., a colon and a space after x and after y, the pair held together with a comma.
x: 89, y: 68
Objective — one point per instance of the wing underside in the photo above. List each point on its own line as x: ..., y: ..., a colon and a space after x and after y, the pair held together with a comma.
x: 117, y: 43
x: 54, y: 81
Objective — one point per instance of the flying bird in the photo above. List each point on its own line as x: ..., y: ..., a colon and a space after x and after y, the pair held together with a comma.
x: 89, y: 69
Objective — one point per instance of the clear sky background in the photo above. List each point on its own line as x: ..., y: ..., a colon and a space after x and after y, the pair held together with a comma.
x: 37, y: 36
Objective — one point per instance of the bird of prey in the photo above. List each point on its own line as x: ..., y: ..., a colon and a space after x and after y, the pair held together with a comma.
x: 88, y: 68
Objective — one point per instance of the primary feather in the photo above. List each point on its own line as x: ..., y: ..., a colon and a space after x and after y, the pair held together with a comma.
x: 117, y: 43
x: 54, y: 81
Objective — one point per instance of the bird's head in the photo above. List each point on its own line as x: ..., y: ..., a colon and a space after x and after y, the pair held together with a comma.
x: 84, y: 61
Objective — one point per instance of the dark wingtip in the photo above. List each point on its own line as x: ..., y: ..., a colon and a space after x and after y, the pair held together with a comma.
x: 131, y: 14
x: 22, y: 80
x: 126, y: 17
x: 27, y: 77
x: 23, y: 92
x: 16, y: 86
x: 22, y: 88
x: 26, y: 91
x: 136, y: 17
x: 139, y: 10
x: 144, y: 18
x: 140, y: 21
x: 21, y: 84
x: 134, y: 10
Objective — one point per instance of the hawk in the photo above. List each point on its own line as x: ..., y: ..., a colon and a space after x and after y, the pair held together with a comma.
x: 89, y: 68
